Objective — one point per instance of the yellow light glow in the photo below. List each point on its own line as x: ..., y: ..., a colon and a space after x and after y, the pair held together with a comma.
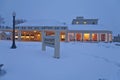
x: 15, y: 30
x: 85, y: 22
x: 93, y: 35
x: 62, y: 36
x: 35, y: 31
x: 86, y: 36
x: 32, y: 36
x: 38, y: 34
x: 22, y: 36
x: 77, y: 22
x: 16, y: 36
x: 27, y: 37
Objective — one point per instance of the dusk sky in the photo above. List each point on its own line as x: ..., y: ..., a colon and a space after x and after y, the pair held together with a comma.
x: 107, y: 11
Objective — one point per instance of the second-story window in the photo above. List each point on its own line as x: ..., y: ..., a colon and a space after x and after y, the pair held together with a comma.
x: 23, y: 27
x: 36, y: 28
x: 29, y: 27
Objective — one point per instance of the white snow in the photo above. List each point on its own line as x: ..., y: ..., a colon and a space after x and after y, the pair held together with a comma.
x: 88, y: 27
x: 42, y: 22
x: 79, y: 61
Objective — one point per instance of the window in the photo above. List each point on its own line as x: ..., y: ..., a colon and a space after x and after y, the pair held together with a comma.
x: 78, y: 36
x: 86, y: 36
x: 103, y: 37
x: 23, y: 27
x: 77, y: 22
x: 36, y: 28
x: 29, y: 27
x: 85, y: 22
x: 93, y: 22
x: 16, y: 27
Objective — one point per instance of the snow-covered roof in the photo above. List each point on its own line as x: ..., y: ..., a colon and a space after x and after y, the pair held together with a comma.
x: 41, y: 23
x: 87, y: 27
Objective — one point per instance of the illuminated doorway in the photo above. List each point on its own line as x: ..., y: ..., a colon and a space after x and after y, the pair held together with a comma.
x: 103, y: 37
x: 71, y: 37
x: 78, y: 36
x: 94, y: 37
x: 62, y: 36
x: 86, y: 36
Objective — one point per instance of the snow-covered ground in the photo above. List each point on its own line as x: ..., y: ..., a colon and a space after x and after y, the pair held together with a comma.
x: 78, y: 61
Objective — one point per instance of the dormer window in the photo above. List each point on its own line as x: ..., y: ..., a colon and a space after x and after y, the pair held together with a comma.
x: 77, y: 22
x: 85, y: 22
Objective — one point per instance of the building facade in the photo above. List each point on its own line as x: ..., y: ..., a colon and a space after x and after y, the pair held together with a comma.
x: 81, y: 20
x: 30, y: 31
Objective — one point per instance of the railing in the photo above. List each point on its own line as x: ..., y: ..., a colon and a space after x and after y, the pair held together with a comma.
x: 5, y: 28
x: 35, y: 28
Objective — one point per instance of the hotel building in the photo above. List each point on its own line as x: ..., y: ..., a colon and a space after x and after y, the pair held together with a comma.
x: 81, y: 30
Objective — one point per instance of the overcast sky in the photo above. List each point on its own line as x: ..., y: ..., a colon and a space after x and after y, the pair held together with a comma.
x: 107, y: 11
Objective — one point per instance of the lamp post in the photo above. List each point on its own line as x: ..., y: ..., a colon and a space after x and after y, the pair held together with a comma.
x: 13, y: 34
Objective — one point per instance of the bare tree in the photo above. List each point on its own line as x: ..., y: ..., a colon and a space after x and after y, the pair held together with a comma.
x: 1, y: 20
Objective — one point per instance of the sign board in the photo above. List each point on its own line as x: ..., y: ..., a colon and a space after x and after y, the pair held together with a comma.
x: 49, y: 41
x: 52, y: 41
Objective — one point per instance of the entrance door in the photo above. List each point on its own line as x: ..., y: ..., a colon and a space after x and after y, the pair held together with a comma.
x: 103, y: 37
x: 78, y: 36
x: 86, y: 36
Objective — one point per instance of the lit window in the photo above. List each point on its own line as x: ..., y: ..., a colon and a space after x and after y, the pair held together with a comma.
x: 34, y: 31
x: 27, y: 36
x: 85, y: 22
x: 62, y: 36
x: 86, y: 36
x: 15, y: 30
x: 77, y: 22
x: 38, y: 34
x: 16, y: 36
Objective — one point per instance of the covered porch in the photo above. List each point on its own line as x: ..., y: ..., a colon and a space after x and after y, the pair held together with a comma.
x: 90, y: 36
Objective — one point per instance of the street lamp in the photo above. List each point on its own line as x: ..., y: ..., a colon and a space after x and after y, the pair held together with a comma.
x: 13, y: 34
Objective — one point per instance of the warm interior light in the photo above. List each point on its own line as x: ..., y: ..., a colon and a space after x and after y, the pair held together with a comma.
x: 27, y: 36
x: 78, y: 36
x: 32, y: 36
x: 77, y: 22
x: 22, y: 36
x: 94, y: 37
x: 85, y: 22
x: 15, y: 30
x: 62, y: 36
x: 86, y: 36
x: 35, y: 31
x: 38, y: 34
x: 16, y: 36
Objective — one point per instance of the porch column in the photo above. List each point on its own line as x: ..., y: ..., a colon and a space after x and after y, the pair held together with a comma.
x: 74, y: 37
x: 43, y: 44
x: 99, y: 37
x: 82, y: 36
x: 107, y: 37
x: 29, y: 36
x: 90, y: 36
x: 19, y: 35
x: 66, y: 36
x: 110, y: 37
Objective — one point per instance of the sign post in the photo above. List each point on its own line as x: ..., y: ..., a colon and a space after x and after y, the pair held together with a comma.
x: 52, y: 41
x: 43, y: 43
x: 57, y: 45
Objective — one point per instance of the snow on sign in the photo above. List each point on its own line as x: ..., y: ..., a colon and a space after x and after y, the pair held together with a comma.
x: 49, y: 41
x: 52, y: 41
